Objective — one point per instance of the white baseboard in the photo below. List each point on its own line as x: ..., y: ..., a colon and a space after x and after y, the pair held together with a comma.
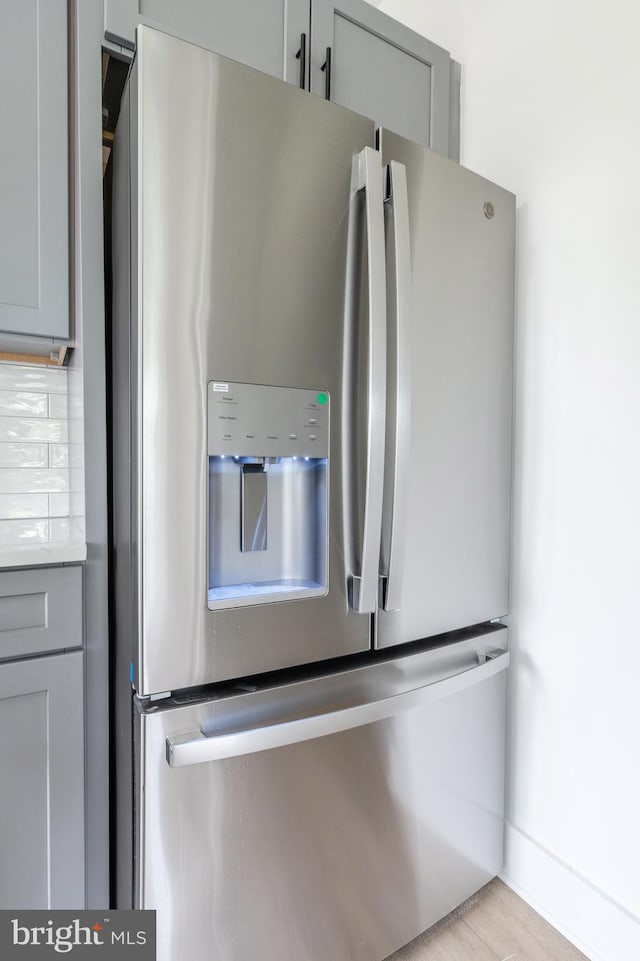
x: 598, y: 926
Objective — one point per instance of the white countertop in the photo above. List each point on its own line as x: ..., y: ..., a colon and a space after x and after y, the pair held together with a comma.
x: 30, y: 554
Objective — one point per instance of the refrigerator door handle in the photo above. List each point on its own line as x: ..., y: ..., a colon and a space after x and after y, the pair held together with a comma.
x: 367, y: 176
x: 198, y: 748
x: 399, y: 386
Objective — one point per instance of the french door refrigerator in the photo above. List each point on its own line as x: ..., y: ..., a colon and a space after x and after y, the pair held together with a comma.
x: 312, y: 356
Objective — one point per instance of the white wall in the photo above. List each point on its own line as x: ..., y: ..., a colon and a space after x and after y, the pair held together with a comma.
x: 551, y: 106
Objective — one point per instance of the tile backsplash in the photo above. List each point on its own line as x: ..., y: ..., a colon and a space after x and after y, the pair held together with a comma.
x: 39, y: 468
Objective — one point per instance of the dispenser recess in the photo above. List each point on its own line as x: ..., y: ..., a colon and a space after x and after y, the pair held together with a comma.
x: 268, y: 493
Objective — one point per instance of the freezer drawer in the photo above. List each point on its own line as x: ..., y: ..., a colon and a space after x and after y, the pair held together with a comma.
x: 332, y: 818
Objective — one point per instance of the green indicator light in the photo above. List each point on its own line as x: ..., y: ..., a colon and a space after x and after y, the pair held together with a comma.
x: 321, y: 398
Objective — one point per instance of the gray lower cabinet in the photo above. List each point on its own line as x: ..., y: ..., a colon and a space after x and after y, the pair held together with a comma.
x: 42, y: 783
x: 348, y: 52
x: 34, y: 197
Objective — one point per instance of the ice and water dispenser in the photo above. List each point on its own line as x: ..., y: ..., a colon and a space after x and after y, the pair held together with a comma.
x: 268, y: 493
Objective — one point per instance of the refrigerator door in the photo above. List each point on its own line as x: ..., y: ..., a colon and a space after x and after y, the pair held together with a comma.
x: 337, y: 817
x: 445, y: 549
x: 248, y: 198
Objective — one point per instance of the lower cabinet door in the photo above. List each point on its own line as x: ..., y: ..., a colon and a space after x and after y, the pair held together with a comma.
x: 42, y: 783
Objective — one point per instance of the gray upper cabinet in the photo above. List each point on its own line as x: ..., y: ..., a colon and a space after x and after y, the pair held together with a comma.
x: 34, y: 172
x: 369, y: 62
x: 261, y: 33
x: 42, y: 783
x: 350, y: 51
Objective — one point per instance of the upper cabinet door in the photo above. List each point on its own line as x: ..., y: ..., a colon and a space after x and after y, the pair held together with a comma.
x: 34, y: 173
x: 368, y: 62
x: 265, y: 34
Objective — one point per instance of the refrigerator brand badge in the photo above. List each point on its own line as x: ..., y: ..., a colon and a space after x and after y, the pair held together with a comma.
x: 221, y: 388
x: 81, y: 934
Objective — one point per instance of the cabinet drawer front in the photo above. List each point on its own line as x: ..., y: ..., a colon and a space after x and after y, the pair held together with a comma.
x: 40, y: 610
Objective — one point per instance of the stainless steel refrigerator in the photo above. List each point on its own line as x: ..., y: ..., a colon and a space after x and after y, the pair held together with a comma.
x: 312, y: 359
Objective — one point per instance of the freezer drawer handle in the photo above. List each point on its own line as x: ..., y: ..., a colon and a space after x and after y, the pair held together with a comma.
x: 394, y: 528
x: 367, y: 176
x: 198, y: 748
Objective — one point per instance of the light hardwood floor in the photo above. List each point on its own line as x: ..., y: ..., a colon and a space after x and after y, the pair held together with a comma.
x: 494, y: 925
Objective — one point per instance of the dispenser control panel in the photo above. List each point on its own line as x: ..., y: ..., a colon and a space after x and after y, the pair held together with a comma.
x: 251, y: 420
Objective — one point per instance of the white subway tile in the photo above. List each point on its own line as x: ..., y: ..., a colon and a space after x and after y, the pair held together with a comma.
x: 22, y: 403
x: 59, y: 529
x: 76, y: 503
x: 46, y: 380
x: 24, y: 532
x: 76, y: 431
x: 58, y: 406
x: 75, y: 380
x: 77, y: 533
x: 76, y: 456
x: 58, y: 455
x: 23, y: 505
x: 38, y: 408
x: 23, y: 455
x: 76, y: 406
x: 58, y: 505
x: 76, y: 480
x: 31, y: 480
x: 22, y: 428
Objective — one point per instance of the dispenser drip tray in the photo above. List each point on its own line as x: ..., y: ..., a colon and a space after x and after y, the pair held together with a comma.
x: 249, y: 593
